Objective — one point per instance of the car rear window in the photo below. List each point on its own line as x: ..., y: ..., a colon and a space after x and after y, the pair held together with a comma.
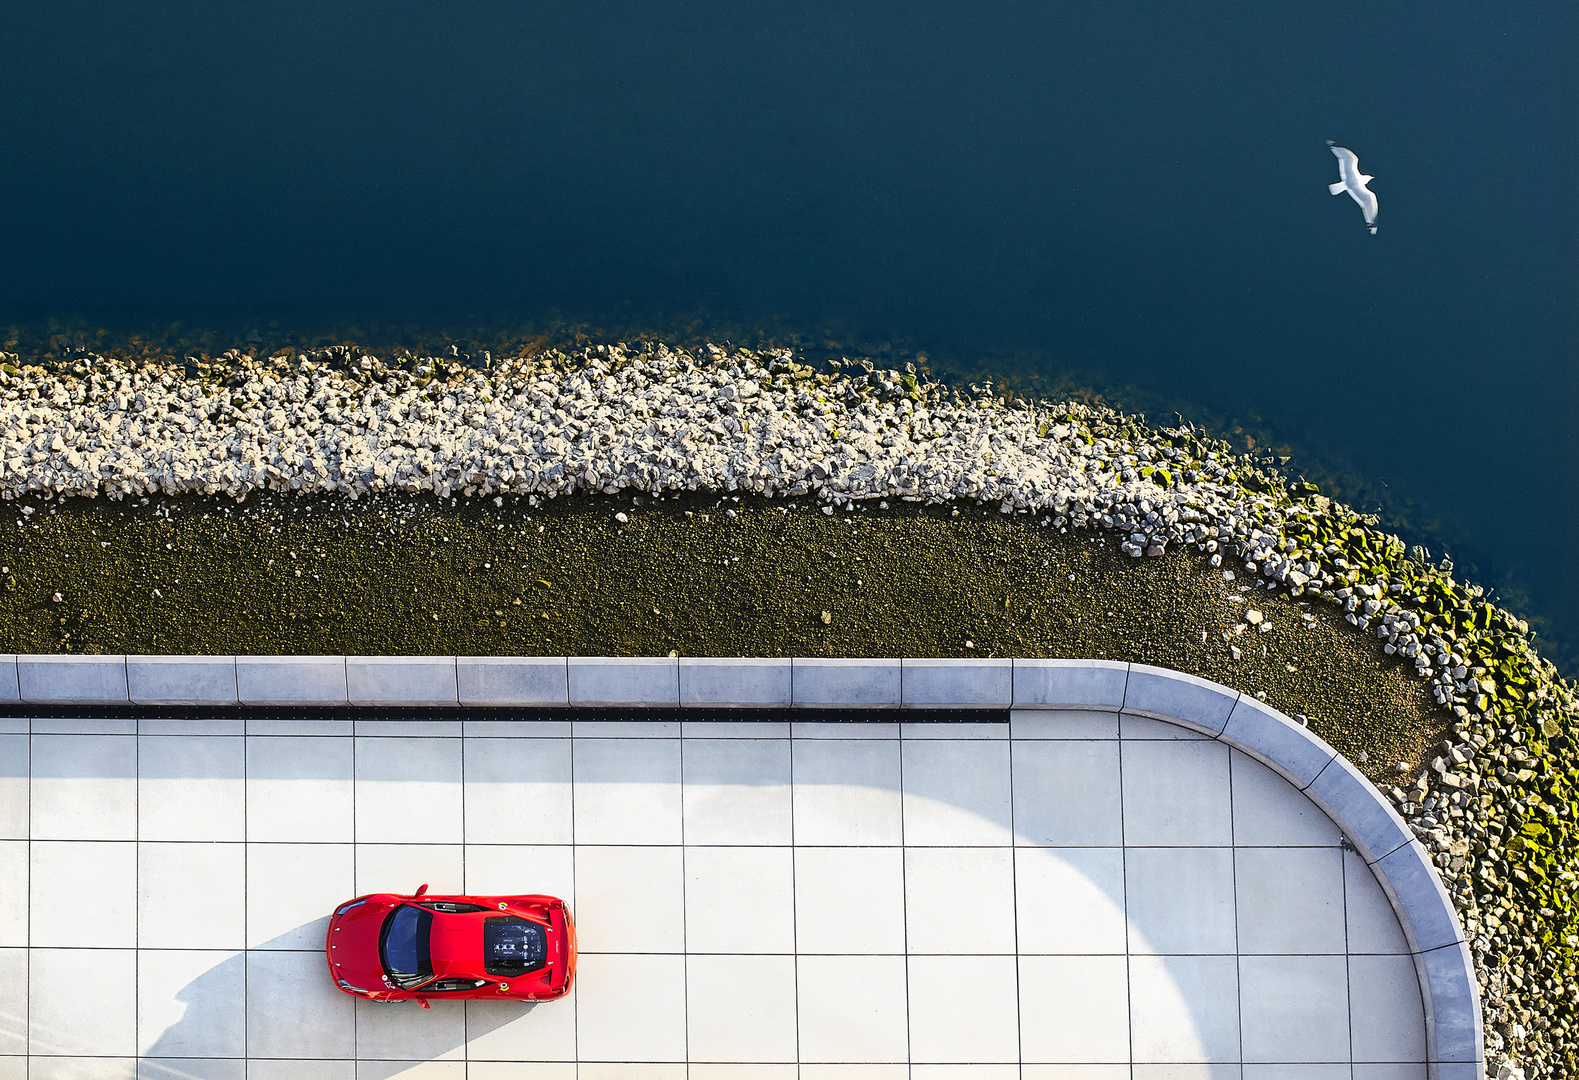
x: 512, y: 946
x: 403, y: 946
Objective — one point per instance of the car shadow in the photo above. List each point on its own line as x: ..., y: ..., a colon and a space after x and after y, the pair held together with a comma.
x: 278, y: 999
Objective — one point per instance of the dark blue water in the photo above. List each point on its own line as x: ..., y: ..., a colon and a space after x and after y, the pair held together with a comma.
x: 1137, y: 189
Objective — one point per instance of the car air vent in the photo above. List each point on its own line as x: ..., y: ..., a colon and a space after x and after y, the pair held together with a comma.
x: 450, y: 908
x: 452, y: 986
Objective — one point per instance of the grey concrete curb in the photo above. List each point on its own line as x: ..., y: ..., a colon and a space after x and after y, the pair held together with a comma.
x: 1454, y: 1038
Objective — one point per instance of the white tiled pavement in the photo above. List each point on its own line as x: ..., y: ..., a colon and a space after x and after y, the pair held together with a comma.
x: 1092, y: 898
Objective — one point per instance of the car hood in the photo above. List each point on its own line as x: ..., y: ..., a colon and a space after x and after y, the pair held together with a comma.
x: 353, y: 944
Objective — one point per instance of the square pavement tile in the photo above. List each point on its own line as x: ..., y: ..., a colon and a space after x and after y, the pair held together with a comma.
x: 287, y: 1069
x: 1372, y: 923
x: 630, y: 1008
x: 631, y: 1070
x: 293, y: 1010
x: 191, y: 788
x: 14, y: 897
x: 627, y: 791
x: 956, y: 792
x: 1063, y: 724
x: 64, y: 1020
x: 521, y: 1031
x: 1074, y: 1072
x: 849, y: 900
x: 1180, y: 900
x: 964, y: 1009
x: 737, y: 791
x: 191, y: 896
x: 1290, y: 900
x: 505, y: 869
x: 852, y: 1009
x: 84, y: 787
x: 739, y: 900
x: 518, y: 791
x: 847, y: 792
x: 14, y: 786
x: 13, y: 1001
x: 1066, y: 793
x: 191, y: 1003
x: 84, y: 894
x: 1271, y: 812
x: 83, y: 1068
x: 1184, y: 1009
x: 1385, y: 1012
x: 401, y: 868
x: 1074, y: 1009
x: 410, y: 1070
x: 1176, y: 793
x: 408, y: 791
x: 291, y: 890
x: 740, y: 1008
x: 300, y: 789
x: 630, y: 899
x: 161, y: 1068
x: 941, y: 882
x: 1070, y: 900
x: 391, y: 1033
x: 1294, y: 1008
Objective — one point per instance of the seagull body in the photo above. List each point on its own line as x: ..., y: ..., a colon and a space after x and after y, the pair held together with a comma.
x: 1352, y: 180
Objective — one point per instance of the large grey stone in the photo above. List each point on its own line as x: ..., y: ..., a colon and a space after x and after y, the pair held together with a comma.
x: 291, y: 680
x: 512, y: 680
x: 1453, y: 1020
x: 401, y: 680
x: 1361, y: 811
x: 1179, y: 698
x: 71, y: 680
x: 821, y: 683
x: 1069, y: 684
x: 181, y: 680
x: 623, y: 680
x: 10, y: 689
x: 956, y: 684
x: 1425, y: 911
x: 736, y: 682
x: 1269, y: 736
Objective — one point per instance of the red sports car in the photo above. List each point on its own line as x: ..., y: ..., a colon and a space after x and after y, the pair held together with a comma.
x: 386, y: 947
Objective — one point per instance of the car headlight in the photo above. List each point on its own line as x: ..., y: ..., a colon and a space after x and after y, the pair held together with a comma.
x: 343, y: 908
x: 354, y: 989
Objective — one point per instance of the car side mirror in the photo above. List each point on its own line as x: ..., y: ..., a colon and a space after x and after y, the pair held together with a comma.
x: 421, y: 889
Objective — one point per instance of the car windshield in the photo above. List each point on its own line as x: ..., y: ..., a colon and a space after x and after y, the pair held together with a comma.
x: 403, y: 946
x: 512, y: 946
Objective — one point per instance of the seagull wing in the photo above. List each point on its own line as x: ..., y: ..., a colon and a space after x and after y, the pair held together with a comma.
x: 1367, y: 200
x: 1347, y: 157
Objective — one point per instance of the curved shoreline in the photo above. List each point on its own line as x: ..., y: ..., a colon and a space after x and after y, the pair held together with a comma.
x: 607, y: 420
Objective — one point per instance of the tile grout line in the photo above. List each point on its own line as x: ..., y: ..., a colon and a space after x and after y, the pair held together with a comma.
x: 789, y: 744
x: 27, y: 1025
x: 575, y: 1010
x: 904, y: 886
x: 1348, y: 974
x: 1233, y: 867
x: 356, y: 890
x: 246, y: 897
x: 137, y: 889
x: 1123, y: 866
x: 685, y: 909
x: 466, y: 1006
x: 1014, y: 900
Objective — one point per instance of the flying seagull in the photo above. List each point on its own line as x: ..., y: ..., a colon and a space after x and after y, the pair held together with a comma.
x: 1352, y: 180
